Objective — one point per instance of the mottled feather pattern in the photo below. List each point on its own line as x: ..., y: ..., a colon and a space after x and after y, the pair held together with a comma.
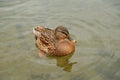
x: 54, y: 42
x: 47, y: 40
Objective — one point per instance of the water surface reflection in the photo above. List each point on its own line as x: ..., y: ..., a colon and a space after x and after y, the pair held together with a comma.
x: 64, y: 62
x: 95, y: 24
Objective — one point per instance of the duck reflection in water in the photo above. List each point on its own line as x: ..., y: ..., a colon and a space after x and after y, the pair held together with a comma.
x: 55, y: 42
x: 63, y: 62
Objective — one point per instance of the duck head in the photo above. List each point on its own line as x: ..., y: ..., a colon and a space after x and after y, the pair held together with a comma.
x: 65, y: 44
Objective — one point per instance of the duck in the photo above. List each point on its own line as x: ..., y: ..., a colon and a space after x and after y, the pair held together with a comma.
x: 56, y: 42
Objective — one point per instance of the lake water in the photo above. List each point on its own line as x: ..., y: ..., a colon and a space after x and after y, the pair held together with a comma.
x: 95, y: 24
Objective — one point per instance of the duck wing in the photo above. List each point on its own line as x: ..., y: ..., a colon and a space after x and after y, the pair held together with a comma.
x: 45, y: 39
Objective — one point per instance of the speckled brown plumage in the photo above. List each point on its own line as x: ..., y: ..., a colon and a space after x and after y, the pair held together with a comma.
x: 53, y: 42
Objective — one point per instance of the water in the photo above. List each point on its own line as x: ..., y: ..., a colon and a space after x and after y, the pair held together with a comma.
x: 95, y: 24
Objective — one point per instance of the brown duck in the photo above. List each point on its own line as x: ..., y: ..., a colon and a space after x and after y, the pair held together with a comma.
x: 53, y: 42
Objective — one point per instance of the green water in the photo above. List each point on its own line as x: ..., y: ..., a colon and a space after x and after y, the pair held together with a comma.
x: 95, y: 24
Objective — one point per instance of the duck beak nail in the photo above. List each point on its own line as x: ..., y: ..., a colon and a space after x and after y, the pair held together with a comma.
x: 74, y: 41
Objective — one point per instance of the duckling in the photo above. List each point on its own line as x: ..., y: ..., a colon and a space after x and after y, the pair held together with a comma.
x: 53, y: 42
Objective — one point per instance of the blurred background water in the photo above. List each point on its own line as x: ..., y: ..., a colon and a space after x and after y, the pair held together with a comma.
x: 95, y: 24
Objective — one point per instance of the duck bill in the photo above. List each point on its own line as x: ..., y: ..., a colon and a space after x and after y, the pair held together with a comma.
x: 74, y: 41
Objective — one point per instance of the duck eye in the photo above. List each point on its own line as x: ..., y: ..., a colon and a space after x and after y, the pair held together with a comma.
x: 64, y: 33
